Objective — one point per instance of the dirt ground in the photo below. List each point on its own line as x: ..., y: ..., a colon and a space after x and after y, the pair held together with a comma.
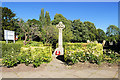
x: 58, y: 69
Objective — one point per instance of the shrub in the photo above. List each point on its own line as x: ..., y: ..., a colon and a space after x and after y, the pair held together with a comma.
x: 35, y: 55
x: 81, y: 52
x: 111, y: 56
x: 34, y: 43
x: 9, y: 53
x: 14, y: 54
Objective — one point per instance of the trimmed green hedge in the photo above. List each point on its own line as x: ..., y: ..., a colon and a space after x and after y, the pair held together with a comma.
x: 13, y: 54
x: 9, y: 53
x: 81, y: 52
x: 35, y: 55
x: 31, y: 43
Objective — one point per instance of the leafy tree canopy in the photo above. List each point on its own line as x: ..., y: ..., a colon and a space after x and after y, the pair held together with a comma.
x: 80, y: 31
x: 112, y: 33
x: 101, y: 35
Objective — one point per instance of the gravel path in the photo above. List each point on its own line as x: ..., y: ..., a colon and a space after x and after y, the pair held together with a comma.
x: 57, y: 69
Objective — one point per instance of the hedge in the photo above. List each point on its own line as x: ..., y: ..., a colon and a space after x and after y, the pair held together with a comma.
x: 35, y: 55
x: 111, y: 56
x: 16, y: 53
x: 9, y: 53
x: 81, y: 52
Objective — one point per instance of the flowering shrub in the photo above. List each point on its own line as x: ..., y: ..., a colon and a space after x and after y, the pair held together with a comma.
x: 81, y: 52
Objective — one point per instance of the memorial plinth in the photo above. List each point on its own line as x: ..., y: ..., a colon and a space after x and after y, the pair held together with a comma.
x: 59, y: 50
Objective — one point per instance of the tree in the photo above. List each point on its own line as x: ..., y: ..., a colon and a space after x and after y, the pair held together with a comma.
x: 42, y: 18
x: 67, y: 31
x: 8, y: 20
x: 92, y: 30
x: 47, y: 18
x: 101, y: 35
x: 35, y: 28
x: 30, y: 29
x: 80, y: 31
x: 112, y: 33
x: 51, y: 35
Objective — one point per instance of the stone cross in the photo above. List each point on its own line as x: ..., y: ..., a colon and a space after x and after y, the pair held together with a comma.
x: 60, y: 50
x: 60, y: 26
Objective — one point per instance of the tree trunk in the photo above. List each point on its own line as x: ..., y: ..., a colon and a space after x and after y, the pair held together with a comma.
x: 25, y: 39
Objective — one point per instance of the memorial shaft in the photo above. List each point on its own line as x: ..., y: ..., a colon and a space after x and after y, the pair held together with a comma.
x: 60, y: 49
x: 60, y: 38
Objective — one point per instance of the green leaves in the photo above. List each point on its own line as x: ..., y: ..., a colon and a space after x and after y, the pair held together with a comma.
x: 101, y: 35
x: 14, y: 54
x: 112, y: 33
x: 47, y: 18
x: 67, y: 31
x: 76, y: 52
x: 9, y: 53
x: 111, y: 56
x: 36, y: 56
x: 92, y: 52
x: 80, y: 31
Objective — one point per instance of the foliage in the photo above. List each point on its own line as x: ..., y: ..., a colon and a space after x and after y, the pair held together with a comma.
x: 9, y: 53
x: 80, y: 32
x: 112, y: 33
x: 30, y: 29
x: 34, y: 44
x: 77, y: 52
x: 14, y: 54
x: 111, y: 56
x: 42, y: 18
x: 92, y: 30
x: 67, y: 31
x: 101, y: 35
x: 36, y: 56
x: 75, y: 31
x: 51, y: 34
x: 8, y: 20
x: 47, y: 18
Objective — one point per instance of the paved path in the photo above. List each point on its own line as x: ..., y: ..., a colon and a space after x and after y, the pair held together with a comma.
x: 57, y: 69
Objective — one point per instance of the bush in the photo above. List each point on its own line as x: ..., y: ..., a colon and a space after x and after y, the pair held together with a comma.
x: 82, y: 52
x: 14, y: 54
x: 111, y: 56
x: 34, y: 43
x: 31, y: 43
x: 35, y: 55
x: 9, y: 53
